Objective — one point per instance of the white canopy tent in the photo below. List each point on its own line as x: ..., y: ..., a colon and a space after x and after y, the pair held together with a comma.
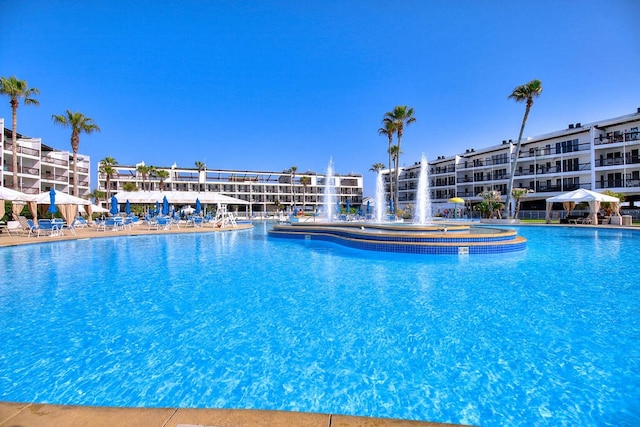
x: 17, y: 198
x: 66, y: 204
x: 579, y: 196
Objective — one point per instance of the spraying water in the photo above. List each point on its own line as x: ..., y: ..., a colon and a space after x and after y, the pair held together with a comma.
x: 329, y: 193
x: 380, y: 205
x: 423, y: 209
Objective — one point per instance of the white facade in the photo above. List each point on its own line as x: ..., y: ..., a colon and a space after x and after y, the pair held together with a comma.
x: 604, y: 155
x: 41, y: 167
x: 265, y: 191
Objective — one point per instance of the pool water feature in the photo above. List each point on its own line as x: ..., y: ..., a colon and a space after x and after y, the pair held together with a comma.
x: 434, y: 239
x: 544, y: 336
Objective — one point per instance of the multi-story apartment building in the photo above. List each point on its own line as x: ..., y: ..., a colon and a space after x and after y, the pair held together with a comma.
x: 604, y: 155
x: 41, y: 167
x: 266, y: 191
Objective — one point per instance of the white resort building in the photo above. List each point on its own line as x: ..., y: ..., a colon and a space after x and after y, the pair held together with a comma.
x: 603, y: 155
x: 266, y: 191
x: 41, y: 167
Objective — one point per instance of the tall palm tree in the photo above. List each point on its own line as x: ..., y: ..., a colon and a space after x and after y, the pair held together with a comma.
x: 107, y: 168
x: 524, y: 93
x: 17, y: 89
x: 78, y: 123
x: 395, y: 155
x: 377, y: 167
x: 304, y: 180
x: 144, y: 171
x: 292, y: 171
x: 401, y: 116
x: 389, y: 129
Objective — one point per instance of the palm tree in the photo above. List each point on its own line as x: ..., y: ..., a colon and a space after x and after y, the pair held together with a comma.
x: 129, y: 186
x: 395, y: 152
x: 525, y: 93
x: 162, y: 175
x: 401, y: 116
x: 292, y: 170
x: 304, y: 180
x: 16, y: 89
x: 200, y: 166
x: 106, y: 167
x: 144, y: 171
x: 78, y: 123
x: 377, y: 167
x: 388, y: 129
x: 97, y: 195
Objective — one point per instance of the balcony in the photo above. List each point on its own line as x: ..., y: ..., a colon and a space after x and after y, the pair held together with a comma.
x: 617, y: 137
x: 52, y: 161
x: 23, y: 150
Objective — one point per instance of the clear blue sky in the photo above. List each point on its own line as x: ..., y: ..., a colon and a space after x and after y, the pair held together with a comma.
x: 266, y: 85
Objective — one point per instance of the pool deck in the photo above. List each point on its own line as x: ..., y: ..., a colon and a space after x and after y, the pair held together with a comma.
x: 40, y: 415
x: 91, y: 232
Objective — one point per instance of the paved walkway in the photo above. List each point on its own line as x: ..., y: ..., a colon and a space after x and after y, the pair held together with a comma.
x: 91, y: 232
x: 37, y: 415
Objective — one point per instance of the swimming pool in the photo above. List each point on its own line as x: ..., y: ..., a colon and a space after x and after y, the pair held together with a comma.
x: 546, y: 336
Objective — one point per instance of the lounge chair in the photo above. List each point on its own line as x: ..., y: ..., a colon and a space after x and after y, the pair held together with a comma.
x: 108, y: 224
x: 163, y: 223
x: 80, y: 222
x: 25, y: 227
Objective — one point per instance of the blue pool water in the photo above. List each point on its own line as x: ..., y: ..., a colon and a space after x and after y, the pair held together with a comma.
x: 546, y: 336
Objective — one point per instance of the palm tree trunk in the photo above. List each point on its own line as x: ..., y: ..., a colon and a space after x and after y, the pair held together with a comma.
x: 397, y: 194
x: 14, y: 142
x: 75, y: 174
x: 391, y: 177
x: 514, y: 162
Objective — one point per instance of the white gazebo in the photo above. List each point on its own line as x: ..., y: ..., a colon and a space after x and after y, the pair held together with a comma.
x: 66, y: 204
x: 581, y: 195
x: 17, y: 198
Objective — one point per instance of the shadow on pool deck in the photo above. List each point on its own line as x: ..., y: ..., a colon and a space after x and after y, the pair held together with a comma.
x: 38, y: 415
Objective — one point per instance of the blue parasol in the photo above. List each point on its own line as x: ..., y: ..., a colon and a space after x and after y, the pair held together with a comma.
x: 337, y: 206
x: 52, y: 199
x: 368, y: 207
x: 348, y: 206
x: 114, y: 206
x: 127, y: 207
x: 391, y: 206
x: 157, y: 211
x: 198, y: 207
x: 165, y: 206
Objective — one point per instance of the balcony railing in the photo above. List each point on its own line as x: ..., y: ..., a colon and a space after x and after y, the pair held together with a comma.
x: 53, y: 161
x: 618, y: 161
x: 22, y: 150
x: 617, y: 137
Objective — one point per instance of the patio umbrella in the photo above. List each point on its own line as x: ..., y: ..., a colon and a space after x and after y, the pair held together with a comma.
x: 127, y: 207
x: 52, y: 199
x: 456, y: 201
x: 114, y: 206
x: 348, y: 206
x: 165, y: 206
x: 368, y: 207
x: 198, y: 207
x: 337, y: 206
x: 391, y: 205
x: 157, y: 211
